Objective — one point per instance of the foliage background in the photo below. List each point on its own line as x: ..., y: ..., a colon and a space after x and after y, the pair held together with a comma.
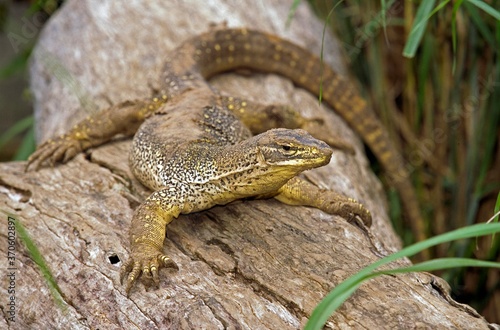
x: 442, y: 108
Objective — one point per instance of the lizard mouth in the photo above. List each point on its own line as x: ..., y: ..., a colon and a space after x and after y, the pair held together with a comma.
x: 293, y: 148
x: 316, y: 158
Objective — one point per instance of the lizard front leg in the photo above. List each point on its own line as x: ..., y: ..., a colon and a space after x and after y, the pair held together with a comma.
x: 147, y: 233
x: 297, y: 191
x: 95, y: 130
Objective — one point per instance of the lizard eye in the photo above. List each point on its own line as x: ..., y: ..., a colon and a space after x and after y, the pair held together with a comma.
x: 288, y: 149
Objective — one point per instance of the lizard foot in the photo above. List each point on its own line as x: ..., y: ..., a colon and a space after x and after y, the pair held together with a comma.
x: 60, y: 149
x: 349, y: 209
x: 146, y: 261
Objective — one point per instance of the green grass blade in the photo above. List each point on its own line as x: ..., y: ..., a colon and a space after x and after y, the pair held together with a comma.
x: 495, y: 218
x: 497, y: 209
x: 456, y: 6
x: 320, y: 94
x: 37, y: 257
x: 427, y: 266
x: 479, y: 22
x: 485, y: 7
x: 342, y: 291
x: 441, y: 263
x: 383, y: 11
x: 418, y: 28
x: 291, y: 12
x: 16, y: 64
x: 16, y: 129
x: 28, y: 145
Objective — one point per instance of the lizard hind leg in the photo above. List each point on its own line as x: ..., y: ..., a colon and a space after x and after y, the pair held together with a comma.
x: 260, y: 117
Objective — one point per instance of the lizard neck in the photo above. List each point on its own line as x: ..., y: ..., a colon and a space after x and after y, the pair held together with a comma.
x: 243, y: 171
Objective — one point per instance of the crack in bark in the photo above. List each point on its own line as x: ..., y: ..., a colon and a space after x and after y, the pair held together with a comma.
x: 258, y: 288
x: 25, y: 195
x: 267, y: 293
x: 221, y: 314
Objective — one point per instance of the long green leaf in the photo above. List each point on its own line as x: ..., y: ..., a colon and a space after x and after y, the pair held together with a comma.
x: 37, y: 257
x: 342, y: 291
x: 427, y: 266
x: 28, y: 145
x: 456, y: 6
x: 291, y: 12
x: 441, y: 263
x: 16, y: 129
x: 487, y: 8
x: 418, y: 28
x: 497, y: 209
x: 479, y: 22
x: 16, y: 64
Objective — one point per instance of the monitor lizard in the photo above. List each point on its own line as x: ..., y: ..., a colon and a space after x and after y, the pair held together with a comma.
x: 195, y: 148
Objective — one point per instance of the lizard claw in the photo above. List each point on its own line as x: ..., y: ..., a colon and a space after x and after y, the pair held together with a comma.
x: 351, y: 208
x: 61, y: 149
x: 147, y: 263
x: 348, y: 209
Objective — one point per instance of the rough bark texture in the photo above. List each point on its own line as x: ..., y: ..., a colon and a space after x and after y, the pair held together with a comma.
x: 248, y: 265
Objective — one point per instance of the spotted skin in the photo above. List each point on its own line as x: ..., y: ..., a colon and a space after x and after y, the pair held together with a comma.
x: 195, y: 148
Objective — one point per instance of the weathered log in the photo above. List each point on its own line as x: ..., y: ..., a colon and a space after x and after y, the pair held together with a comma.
x: 249, y: 265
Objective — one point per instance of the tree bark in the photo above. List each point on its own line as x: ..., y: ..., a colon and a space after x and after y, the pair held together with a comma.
x: 247, y: 265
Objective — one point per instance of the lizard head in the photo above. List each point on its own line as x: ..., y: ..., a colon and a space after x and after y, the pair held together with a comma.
x: 288, y: 152
x: 265, y: 162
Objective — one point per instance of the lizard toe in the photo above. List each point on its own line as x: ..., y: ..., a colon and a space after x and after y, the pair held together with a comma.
x: 146, y: 266
x: 168, y: 262
x: 133, y: 275
x: 366, y: 216
x: 60, y: 149
x: 354, y: 208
